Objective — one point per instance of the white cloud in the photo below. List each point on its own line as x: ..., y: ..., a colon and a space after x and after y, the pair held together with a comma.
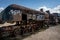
x: 52, y: 10
x: 1, y: 8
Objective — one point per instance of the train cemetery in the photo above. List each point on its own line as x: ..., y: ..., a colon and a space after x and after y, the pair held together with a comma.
x: 27, y: 21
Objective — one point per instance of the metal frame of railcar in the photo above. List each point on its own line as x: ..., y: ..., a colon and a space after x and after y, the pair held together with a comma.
x: 25, y: 27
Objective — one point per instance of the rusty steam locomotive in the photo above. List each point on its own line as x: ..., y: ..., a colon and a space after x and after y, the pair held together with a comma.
x: 26, y: 19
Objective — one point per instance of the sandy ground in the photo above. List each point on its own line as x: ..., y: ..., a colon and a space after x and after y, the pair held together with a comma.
x: 52, y: 33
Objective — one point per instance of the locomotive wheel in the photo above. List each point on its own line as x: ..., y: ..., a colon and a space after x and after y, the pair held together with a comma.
x: 16, y: 32
x: 45, y: 25
x: 33, y: 29
x: 17, y: 23
x: 38, y: 27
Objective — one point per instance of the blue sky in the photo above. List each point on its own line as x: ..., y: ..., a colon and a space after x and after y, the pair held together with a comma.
x: 30, y: 3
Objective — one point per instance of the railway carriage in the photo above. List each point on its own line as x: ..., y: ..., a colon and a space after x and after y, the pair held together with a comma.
x: 27, y: 19
x: 16, y: 13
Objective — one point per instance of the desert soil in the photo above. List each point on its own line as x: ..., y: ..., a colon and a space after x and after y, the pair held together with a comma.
x: 52, y: 33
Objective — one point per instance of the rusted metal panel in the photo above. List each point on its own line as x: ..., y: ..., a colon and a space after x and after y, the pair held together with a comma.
x: 17, y: 17
x: 34, y: 17
x: 46, y: 16
x: 22, y: 8
x: 29, y: 16
x: 40, y: 17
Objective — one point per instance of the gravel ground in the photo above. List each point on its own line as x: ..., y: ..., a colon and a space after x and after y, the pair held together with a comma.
x: 52, y: 33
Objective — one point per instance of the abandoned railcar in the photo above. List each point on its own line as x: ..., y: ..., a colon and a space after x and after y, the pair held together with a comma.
x: 27, y: 20
x: 18, y: 13
x: 57, y: 15
x: 53, y: 18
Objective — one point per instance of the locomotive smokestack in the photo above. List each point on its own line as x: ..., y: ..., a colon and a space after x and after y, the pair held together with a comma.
x: 41, y: 10
x: 48, y: 11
